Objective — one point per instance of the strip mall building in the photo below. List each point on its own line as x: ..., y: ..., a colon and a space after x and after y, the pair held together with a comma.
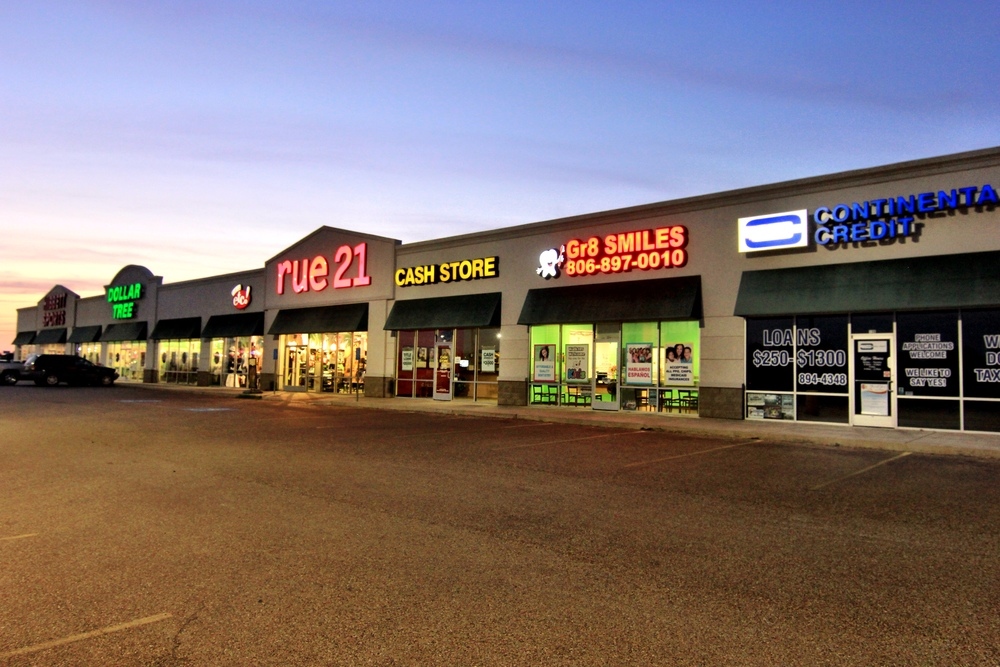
x: 870, y: 298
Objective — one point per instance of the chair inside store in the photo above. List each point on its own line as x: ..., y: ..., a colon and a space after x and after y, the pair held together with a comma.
x: 544, y: 394
x: 682, y: 401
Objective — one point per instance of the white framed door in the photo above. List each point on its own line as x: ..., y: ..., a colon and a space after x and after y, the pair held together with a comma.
x: 873, y: 380
x: 607, y: 356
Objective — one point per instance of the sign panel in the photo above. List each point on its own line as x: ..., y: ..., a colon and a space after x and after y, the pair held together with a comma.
x: 545, y: 363
x: 406, y: 359
x: 465, y: 269
x: 488, y: 363
x: 821, y: 354
x: 928, y: 354
x: 981, y: 353
x: 770, y: 347
x: 639, y: 363
x: 577, y: 363
x: 640, y: 250
x: 776, y: 231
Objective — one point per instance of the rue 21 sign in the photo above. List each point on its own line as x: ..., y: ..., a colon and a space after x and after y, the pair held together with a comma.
x: 879, y: 220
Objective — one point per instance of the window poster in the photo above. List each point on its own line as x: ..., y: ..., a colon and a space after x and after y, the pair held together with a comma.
x: 927, y: 344
x: 821, y: 354
x: 406, y: 360
x: 488, y: 364
x: 981, y: 353
x: 423, y: 357
x: 875, y: 398
x: 545, y: 363
x: 678, y: 363
x: 770, y: 347
x: 770, y: 406
x: 638, y: 363
x: 577, y: 362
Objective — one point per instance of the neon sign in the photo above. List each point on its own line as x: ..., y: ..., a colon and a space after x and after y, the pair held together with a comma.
x: 241, y: 297
x: 466, y: 269
x: 643, y: 250
x: 312, y: 274
x: 122, y: 299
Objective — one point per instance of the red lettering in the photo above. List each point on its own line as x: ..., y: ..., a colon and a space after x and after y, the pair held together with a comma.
x: 318, y: 271
x: 284, y: 268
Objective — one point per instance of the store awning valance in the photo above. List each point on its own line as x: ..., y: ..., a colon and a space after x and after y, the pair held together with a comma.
x: 328, y: 319
x: 918, y: 283
x: 24, y: 338
x: 85, y: 334
x: 182, y: 328
x: 234, y: 325
x: 445, y: 312
x: 121, y: 331
x: 636, y: 301
x: 51, y: 336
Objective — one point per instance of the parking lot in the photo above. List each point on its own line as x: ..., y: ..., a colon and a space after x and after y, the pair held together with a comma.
x: 145, y: 527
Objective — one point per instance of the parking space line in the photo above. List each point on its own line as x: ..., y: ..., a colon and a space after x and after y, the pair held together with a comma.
x: 531, y: 424
x: 18, y: 537
x: 86, y: 635
x: 860, y: 472
x: 557, y: 442
x: 684, y: 456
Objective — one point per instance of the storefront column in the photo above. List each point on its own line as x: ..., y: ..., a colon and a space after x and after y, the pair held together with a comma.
x: 514, y: 365
x: 381, y: 353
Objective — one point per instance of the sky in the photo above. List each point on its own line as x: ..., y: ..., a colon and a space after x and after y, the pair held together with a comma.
x: 201, y: 138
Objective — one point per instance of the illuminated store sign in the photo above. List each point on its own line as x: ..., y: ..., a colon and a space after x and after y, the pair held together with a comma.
x: 660, y: 248
x: 874, y: 220
x: 54, y: 310
x: 466, y: 269
x: 306, y: 274
x: 122, y: 299
x: 241, y: 297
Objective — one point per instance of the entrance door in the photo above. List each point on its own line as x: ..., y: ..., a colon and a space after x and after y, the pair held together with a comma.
x: 873, y: 369
x: 443, y: 371
x: 607, y: 354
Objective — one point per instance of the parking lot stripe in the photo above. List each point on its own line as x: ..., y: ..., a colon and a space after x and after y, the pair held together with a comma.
x: 18, y: 537
x: 860, y: 472
x: 557, y: 442
x: 86, y: 635
x: 683, y: 456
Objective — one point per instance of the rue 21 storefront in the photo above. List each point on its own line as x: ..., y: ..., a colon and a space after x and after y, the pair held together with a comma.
x: 909, y: 342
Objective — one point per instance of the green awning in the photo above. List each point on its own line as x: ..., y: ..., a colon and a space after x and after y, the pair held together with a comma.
x: 51, y: 336
x: 635, y: 301
x: 24, y: 338
x: 183, y: 328
x: 234, y: 325
x: 918, y: 283
x: 328, y: 319
x: 445, y: 312
x: 124, y: 331
x: 85, y: 334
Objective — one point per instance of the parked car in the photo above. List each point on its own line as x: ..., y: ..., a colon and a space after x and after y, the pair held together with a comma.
x: 10, y: 371
x: 51, y: 369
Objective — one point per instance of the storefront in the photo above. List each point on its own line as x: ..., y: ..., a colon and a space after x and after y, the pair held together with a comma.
x: 236, y: 343
x: 125, y: 350
x: 178, y: 347
x: 447, y: 347
x: 86, y: 342
x: 323, y: 349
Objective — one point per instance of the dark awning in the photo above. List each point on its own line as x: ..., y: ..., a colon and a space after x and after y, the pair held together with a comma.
x: 85, y: 334
x: 328, y: 319
x: 51, y: 336
x: 24, y: 338
x: 234, y: 325
x: 916, y: 283
x: 124, y: 331
x: 636, y: 301
x: 182, y: 328
x: 445, y: 312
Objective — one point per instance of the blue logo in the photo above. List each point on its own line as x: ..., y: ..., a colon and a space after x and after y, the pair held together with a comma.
x: 774, y: 232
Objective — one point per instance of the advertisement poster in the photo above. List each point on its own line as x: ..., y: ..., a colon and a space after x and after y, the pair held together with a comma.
x: 875, y: 399
x: 678, y: 364
x: 639, y: 363
x: 406, y: 363
x: 770, y: 406
x: 981, y: 355
x: 545, y: 363
x: 577, y: 360
x: 927, y: 364
x: 422, y: 357
x: 770, y: 354
x: 489, y: 361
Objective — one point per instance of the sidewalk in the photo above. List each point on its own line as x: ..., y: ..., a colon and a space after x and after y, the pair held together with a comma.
x: 950, y: 443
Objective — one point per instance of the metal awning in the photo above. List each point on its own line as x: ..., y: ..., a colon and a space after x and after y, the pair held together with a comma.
x: 85, y: 334
x: 635, y: 301
x: 234, y: 325
x: 969, y: 280
x: 327, y: 319
x: 24, y: 338
x: 183, y: 328
x: 51, y: 336
x: 445, y: 312
x: 121, y: 331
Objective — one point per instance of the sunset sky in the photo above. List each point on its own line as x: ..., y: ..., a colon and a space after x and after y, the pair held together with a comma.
x: 198, y: 138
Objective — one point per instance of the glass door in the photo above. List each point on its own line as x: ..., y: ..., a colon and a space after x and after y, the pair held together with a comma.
x: 443, y: 371
x: 872, y: 380
x: 607, y: 353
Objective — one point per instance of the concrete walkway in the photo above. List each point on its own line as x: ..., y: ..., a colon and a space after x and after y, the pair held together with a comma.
x: 951, y: 443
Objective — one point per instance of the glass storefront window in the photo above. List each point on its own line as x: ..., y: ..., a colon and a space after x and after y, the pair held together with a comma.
x: 230, y: 359
x: 178, y: 361
x: 323, y: 362
x: 474, y: 372
x: 90, y: 351
x: 128, y: 358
